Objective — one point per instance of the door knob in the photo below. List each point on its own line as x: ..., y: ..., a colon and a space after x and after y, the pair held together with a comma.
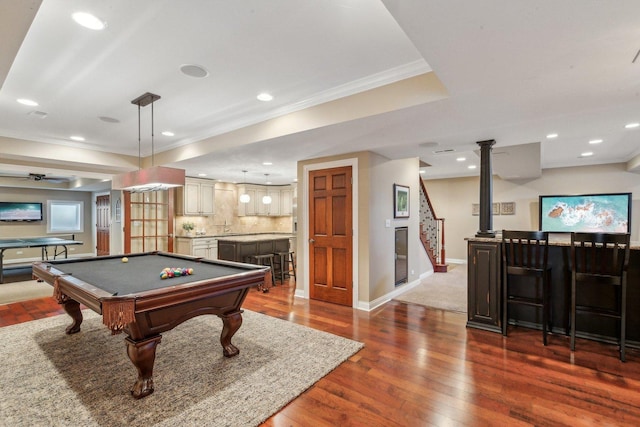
x: 311, y: 240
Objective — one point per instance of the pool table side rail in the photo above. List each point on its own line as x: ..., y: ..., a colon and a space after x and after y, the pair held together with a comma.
x: 69, y: 286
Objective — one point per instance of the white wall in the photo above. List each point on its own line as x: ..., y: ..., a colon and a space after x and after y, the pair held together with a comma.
x: 39, y: 228
x: 452, y: 199
x: 383, y: 174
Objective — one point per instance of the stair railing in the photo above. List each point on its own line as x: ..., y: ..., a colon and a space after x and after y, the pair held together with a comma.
x: 432, y: 231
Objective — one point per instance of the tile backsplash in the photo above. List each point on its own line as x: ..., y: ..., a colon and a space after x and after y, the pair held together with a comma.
x: 227, y: 221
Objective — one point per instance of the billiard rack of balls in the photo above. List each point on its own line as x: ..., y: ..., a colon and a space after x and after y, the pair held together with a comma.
x: 170, y: 272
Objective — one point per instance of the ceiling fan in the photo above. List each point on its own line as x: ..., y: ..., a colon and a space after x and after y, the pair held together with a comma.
x: 35, y: 177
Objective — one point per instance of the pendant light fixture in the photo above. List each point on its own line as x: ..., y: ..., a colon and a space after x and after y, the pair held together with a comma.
x: 244, y: 197
x: 156, y: 177
x: 266, y: 199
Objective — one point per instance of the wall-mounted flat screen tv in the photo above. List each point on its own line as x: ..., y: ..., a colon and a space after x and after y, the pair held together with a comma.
x: 10, y: 211
x: 599, y: 213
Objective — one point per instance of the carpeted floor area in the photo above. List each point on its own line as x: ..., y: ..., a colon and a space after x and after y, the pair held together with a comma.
x: 446, y: 291
x: 50, y: 378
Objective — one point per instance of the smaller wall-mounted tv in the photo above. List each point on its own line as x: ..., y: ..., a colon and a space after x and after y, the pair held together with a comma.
x: 15, y: 211
x: 596, y: 213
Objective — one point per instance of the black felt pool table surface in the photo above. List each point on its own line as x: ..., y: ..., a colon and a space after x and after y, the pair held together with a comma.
x: 142, y: 272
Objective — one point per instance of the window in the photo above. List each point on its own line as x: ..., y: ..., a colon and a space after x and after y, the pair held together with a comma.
x: 64, y: 217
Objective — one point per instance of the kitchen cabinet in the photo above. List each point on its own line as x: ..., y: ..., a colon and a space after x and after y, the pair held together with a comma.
x: 197, y: 197
x: 247, y: 209
x: 281, y: 200
x: 286, y: 201
x: 273, y: 208
x: 205, y: 247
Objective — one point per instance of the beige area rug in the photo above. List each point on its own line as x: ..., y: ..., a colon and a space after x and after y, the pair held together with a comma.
x: 22, y: 291
x: 52, y: 379
x: 446, y: 291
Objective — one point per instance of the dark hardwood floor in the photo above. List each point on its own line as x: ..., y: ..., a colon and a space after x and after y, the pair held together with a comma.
x: 423, y: 367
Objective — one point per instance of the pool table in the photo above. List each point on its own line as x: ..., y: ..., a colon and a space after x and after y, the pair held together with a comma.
x: 132, y: 298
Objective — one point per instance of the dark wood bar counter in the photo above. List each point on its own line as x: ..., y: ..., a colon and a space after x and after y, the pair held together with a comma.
x: 484, y: 288
x: 240, y: 248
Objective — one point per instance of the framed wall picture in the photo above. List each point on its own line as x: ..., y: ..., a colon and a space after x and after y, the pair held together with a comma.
x: 507, y: 208
x: 400, y: 201
x: 475, y: 209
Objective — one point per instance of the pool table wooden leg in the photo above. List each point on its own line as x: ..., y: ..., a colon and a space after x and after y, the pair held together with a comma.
x: 143, y: 355
x: 72, y: 308
x: 231, y: 323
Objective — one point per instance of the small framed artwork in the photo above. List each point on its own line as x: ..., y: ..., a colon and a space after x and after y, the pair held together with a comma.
x: 496, y: 208
x: 507, y: 208
x: 475, y: 209
x: 400, y: 201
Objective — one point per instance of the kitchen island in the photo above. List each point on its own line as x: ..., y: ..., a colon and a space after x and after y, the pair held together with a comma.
x: 206, y: 245
x: 241, y: 247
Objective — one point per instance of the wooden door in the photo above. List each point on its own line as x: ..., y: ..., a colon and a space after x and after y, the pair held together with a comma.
x: 330, y: 236
x: 149, y: 225
x: 103, y: 215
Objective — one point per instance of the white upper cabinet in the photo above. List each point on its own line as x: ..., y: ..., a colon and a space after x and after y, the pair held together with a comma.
x: 281, y: 200
x: 286, y: 201
x: 197, y: 197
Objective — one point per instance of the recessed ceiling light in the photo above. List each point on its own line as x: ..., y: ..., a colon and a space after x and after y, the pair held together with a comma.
x: 552, y: 135
x: 586, y: 154
x: 471, y: 166
x: 461, y: 159
x: 77, y: 138
x: 421, y: 171
x: 267, y: 163
x: 109, y: 119
x: 428, y: 144
x: 632, y: 125
x: 193, y: 70
x: 595, y: 141
x: 89, y: 21
x: 39, y: 114
x: 202, y: 174
x: 167, y: 133
x: 28, y: 102
x: 265, y: 97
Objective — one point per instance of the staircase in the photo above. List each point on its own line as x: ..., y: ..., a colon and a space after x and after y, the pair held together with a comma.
x: 432, y: 232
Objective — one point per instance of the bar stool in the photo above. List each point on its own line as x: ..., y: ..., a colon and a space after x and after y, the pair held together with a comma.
x: 286, y: 264
x: 525, y: 254
x: 600, y: 259
x: 267, y: 260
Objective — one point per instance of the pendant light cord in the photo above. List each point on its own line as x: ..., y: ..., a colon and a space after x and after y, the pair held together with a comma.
x: 153, y: 151
x: 139, y: 150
